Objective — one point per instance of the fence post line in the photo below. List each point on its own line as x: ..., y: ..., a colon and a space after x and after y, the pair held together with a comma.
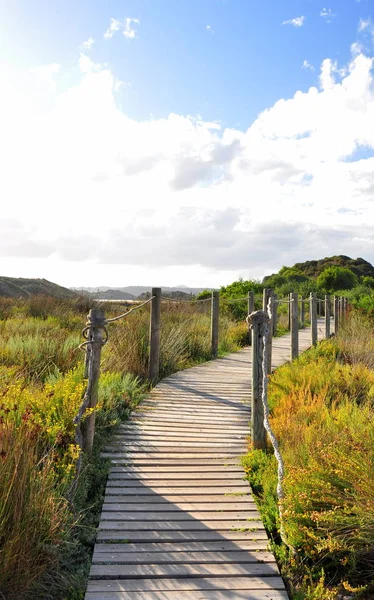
x: 294, y: 303
x: 96, y: 319
x: 154, y: 336
x: 313, y: 317
x: 275, y: 314
x: 336, y: 314
x: 251, y: 307
x: 269, y: 295
x: 215, y: 323
x: 327, y: 316
x: 259, y: 320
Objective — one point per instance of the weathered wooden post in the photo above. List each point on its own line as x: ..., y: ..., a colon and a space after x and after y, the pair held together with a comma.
x: 215, y: 323
x: 327, y: 316
x: 154, y: 336
x: 275, y: 314
x: 336, y: 314
x: 313, y: 317
x: 96, y: 320
x: 251, y: 307
x: 302, y: 311
x: 268, y: 296
x: 259, y: 323
x: 294, y: 303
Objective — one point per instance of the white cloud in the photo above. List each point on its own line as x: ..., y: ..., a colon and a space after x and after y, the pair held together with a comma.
x: 308, y: 65
x: 87, y: 188
x: 364, y: 24
x: 46, y: 74
x: 129, y: 30
x: 114, y: 26
x: 327, y: 14
x: 127, y: 27
x: 209, y: 28
x: 87, y: 45
x: 296, y: 22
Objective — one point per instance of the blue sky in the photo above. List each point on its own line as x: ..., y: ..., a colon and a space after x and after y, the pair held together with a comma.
x: 163, y: 127
x: 176, y: 65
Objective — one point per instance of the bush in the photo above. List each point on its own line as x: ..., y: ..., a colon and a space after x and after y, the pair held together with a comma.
x: 336, y: 278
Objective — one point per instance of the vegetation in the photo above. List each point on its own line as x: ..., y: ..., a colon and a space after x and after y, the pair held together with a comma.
x: 46, y: 530
x: 11, y: 287
x: 323, y: 416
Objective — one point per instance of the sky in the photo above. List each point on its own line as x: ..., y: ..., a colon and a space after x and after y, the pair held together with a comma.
x: 168, y: 142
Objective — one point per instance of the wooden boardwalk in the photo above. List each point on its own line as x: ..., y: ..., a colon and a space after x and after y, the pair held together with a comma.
x: 178, y: 520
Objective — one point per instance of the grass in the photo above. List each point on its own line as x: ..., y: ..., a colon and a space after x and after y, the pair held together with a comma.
x: 323, y: 416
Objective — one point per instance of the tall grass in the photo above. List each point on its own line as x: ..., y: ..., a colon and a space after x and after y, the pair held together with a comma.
x: 323, y: 416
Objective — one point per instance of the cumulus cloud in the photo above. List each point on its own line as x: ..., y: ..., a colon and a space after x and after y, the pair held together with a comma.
x: 308, y: 65
x: 296, y: 22
x: 87, y: 45
x: 327, y: 14
x: 46, y: 74
x: 127, y: 27
x: 209, y: 28
x: 96, y: 187
x: 114, y: 26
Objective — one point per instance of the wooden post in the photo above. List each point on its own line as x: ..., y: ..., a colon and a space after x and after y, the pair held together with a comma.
x: 302, y: 311
x: 313, y: 317
x: 289, y: 316
x: 327, y: 316
x: 275, y: 314
x: 251, y: 307
x: 95, y: 335
x: 269, y: 296
x: 155, y: 336
x: 294, y: 303
x: 215, y: 323
x: 336, y: 314
x: 259, y: 321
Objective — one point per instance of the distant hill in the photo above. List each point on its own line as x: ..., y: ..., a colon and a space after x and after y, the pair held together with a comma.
x: 312, y: 268
x: 135, y: 291
x: 359, y: 266
x: 12, y: 287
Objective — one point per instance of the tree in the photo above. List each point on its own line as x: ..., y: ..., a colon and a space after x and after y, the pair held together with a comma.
x: 333, y: 279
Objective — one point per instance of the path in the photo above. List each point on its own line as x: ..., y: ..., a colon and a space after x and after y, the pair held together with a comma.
x: 178, y: 520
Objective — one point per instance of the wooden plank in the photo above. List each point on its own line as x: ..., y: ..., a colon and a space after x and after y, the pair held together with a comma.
x: 187, y: 558
x: 219, y: 546
x: 204, y: 582
x: 187, y: 525
x: 190, y: 595
x: 179, y: 506
x: 205, y: 476
x: 173, y: 536
x: 183, y: 570
x: 114, y: 487
x: 181, y: 515
x: 196, y: 469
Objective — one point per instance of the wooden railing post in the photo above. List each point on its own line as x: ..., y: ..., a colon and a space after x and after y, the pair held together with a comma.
x: 96, y: 320
x: 327, y: 316
x: 259, y: 321
x: 336, y: 314
x: 294, y: 303
x: 155, y: 336
x: 313, y: 317
x: 251, y: 307
x: 275, y: 314
x: 215, y: 324
x: 269, y: 296
x: 302, y: 312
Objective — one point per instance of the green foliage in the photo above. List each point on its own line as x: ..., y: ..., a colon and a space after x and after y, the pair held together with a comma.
x: 336, y: 278
x: 205, y: 295
x: 323, y: 417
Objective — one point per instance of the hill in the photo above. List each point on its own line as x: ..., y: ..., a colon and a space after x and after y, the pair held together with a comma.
x: 18, y: 287
x: 313, y: 268
x: 135, y: 291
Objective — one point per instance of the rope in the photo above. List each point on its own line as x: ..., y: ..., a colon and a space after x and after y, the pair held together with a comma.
x: 129, y: 311
x: 229, y: 300
x: 185, y: 301
x: 284, y: 301
x: 273, y: 439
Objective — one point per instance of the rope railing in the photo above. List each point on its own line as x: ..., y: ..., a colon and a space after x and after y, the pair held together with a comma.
x: 233, y: 300
x: 192, y: 301
x: 126, y: 314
